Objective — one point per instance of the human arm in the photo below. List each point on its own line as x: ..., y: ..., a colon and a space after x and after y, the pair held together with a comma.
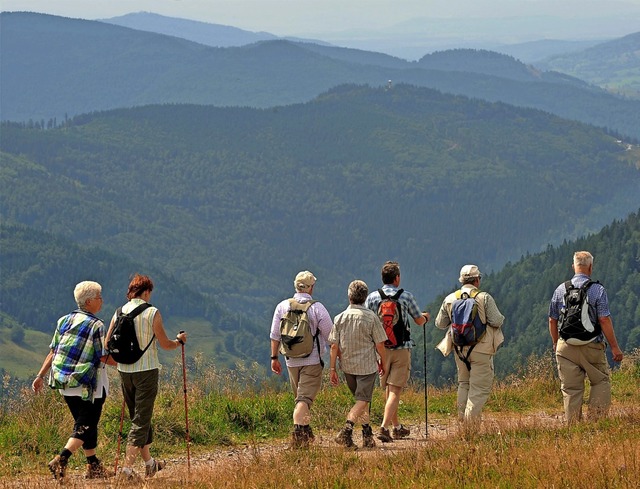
x: 276, y: 367
x: 381, y: 353
x: 607, y: 328
x: 423, y: 319
x: 494, y: 317
x: 553, y: 331
x: 38, y: 382
x: 333, y: 374
x: 161, y: 334
x: 443, y: 319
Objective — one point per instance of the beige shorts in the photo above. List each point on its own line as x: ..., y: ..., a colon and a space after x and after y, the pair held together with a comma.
x: 397, y: 367
x: 305, y: 382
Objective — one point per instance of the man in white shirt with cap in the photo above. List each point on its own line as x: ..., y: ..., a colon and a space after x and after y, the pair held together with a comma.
x: 475, y: 375
x: 305, y: 373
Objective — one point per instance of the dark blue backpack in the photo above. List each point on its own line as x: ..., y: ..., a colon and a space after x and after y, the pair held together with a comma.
x: 466, y: 327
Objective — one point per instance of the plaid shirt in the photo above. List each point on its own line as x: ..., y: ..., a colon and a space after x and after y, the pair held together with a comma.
x: 77, y: 344
x: 596, y: 298
x: 407, y: 302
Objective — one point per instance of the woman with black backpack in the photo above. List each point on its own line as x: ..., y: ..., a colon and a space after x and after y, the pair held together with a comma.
x: 139, y: 375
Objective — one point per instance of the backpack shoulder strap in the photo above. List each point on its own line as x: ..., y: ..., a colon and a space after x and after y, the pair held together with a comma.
x: 138, y: 310
x: 383, y: 296
x: 568, y: 285
x: 397, y: 295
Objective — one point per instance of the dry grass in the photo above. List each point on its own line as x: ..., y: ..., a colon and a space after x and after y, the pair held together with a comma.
x: 523, y: 443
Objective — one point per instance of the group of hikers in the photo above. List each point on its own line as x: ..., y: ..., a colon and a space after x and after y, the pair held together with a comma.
x: 371, y: 338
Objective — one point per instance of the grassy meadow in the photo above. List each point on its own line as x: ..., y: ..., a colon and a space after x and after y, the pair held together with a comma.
x: 239, y: 427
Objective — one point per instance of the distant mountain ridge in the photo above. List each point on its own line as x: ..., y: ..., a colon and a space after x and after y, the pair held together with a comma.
x: 52, y: 67
x: 215, y: 35
x: 614, y: 65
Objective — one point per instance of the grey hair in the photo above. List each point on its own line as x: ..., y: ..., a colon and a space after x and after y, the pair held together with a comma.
x: 86, y: 290
x: 357, y: 292
x: 582, y: 259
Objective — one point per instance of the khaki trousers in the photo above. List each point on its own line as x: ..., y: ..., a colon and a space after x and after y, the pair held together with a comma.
x: 474, y: 386
x: 574, y: 364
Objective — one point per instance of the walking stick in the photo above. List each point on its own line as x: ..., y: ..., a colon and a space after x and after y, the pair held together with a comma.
x: 426, y: 403
x: 115, y: 470
x: 186, y: 409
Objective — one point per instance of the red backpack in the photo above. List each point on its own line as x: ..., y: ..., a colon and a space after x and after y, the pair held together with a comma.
x: 390, y: 313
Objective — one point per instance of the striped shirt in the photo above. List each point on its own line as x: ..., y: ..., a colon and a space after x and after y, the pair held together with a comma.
x: 410, y: 308
x: 144, y: 332
x: 356, y: 331
x: 319, y: 318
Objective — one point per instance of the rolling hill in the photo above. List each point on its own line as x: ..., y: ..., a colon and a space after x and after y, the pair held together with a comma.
x: 53, y: 68
x: 238, y: 200
x: 523, y: 289
x: 45, y: 268
x: 614, y: 65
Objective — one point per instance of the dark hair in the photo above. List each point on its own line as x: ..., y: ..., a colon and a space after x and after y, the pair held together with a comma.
x: 138, y: 285
x: 390, y: 270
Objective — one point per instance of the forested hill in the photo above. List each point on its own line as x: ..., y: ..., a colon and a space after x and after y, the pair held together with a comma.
x: 52, y: 67
x: 40, y: 270
x: 239, y: 200
x: 523, y: 289
x: 614, y: 64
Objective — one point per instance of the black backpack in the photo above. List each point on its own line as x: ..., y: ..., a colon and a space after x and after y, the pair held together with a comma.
x: 123, y: 343
x: 574, y: 324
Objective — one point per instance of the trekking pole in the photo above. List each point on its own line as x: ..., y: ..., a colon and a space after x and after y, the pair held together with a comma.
x: 426, y: 403
x: 186, y: 409
x: 115, y: 470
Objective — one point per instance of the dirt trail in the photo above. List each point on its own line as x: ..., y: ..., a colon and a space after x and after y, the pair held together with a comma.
x: 175, y: 471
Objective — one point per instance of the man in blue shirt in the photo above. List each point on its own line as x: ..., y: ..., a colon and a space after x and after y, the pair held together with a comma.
x: 577, y: 361
x: 397, y: 367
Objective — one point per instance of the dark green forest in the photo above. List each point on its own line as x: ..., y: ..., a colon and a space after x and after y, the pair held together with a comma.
x: 523, y: 289
x: 52, y: 68
x: 238, y: 200
x: 225, y: 205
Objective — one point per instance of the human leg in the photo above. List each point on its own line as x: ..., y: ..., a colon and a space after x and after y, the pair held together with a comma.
x: 140, y: 390
x: 86, y: 415
x: 463, y: 387
x: 572, y: 377
x: 306, y: 382
x: 597, y: 370
x: 480, y: 383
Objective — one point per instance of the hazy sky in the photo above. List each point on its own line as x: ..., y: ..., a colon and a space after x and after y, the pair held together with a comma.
x: 327, y: 17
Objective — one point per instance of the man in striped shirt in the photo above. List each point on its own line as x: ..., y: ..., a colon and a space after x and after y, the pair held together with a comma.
x: 356, y: 336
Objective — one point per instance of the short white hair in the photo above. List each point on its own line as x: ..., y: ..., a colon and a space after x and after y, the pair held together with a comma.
x: 582, y: 259
x: 86, y: 290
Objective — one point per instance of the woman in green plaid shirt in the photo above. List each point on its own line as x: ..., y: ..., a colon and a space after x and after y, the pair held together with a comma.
x: 76, y: 368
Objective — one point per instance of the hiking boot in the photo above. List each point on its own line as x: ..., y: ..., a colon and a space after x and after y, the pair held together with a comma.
x: 58, y: 467
x: 95, y: 471
x: 310, y: 436
x: 367, y: 438
x: 345, y: 438
x: 401, y: 432
x: 384, y: 436
x: 129, y: 477
x: 300, y: 438
x: 153, y: 469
